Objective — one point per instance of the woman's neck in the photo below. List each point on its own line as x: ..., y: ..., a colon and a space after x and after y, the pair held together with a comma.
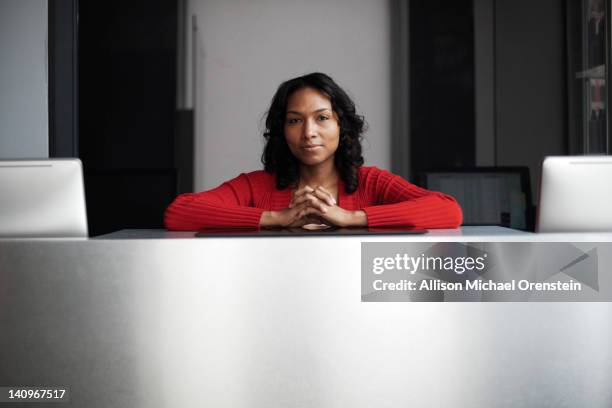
x: 324, y: 175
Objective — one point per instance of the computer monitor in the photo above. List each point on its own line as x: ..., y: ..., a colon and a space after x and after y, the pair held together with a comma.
x: 487, y: 195
x: 42, y: 198
x: 575, y: 194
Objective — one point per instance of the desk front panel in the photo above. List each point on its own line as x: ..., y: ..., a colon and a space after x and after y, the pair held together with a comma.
x: 277, y: 322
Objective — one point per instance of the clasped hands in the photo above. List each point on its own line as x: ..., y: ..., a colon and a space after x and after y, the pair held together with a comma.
x: 313, y: 206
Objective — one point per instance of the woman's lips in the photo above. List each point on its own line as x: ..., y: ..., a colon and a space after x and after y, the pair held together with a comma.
x: 312, y: 148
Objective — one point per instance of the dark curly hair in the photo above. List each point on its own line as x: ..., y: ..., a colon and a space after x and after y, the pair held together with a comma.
x: 277, y: 158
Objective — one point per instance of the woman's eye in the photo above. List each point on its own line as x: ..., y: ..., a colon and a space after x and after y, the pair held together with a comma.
x: 323, y: 117
x: 292, y: 121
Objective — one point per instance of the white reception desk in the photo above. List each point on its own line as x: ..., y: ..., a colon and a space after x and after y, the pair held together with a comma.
x: 158, y: 319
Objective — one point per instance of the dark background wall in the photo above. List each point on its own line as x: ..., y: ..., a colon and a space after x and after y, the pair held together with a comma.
x: 512, y: 79
x: 127, y: 65
x: 442, y: 84
x: 530, y: 85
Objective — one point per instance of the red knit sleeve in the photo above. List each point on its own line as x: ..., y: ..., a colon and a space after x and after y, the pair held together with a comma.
x: 400, y: 203
x: 229, y: 205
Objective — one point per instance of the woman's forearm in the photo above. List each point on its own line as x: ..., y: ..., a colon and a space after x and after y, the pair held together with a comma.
x: 269, y: 219
x: 358, y: 219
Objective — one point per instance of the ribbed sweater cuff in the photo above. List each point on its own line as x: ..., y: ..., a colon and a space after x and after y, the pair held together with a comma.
x: 381, y: 215
x: 248, y: 217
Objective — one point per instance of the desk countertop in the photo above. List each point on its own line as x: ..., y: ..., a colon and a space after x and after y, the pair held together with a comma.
x: 475, y: 231
x: 463, y: 234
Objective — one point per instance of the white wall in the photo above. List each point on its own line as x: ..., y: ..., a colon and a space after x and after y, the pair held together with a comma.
x: 247, y: 48
x: 24, y: 116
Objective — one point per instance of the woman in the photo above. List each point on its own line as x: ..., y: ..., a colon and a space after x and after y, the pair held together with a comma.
x: 313, y: 173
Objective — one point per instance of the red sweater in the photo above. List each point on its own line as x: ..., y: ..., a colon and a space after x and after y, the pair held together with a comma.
x: 387, y: 199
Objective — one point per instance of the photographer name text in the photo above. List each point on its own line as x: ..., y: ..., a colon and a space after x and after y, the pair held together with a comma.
x: 477, y: 285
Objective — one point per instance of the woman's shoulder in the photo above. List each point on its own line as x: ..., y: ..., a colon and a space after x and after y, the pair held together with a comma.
x: 374, y: 177
x: 259, y: 175
x: 373, y: 171
x: 261, y: 179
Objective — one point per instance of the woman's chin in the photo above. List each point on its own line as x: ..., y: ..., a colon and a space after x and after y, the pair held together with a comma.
x: 312, y: 160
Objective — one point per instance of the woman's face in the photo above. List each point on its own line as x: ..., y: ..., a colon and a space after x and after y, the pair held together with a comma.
x: 312, y: 130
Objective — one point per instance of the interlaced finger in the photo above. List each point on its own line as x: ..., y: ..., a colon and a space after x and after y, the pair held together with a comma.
x: 325, y: 195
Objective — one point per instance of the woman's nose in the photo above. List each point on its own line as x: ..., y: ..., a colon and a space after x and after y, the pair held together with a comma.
x: 310, y: 129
